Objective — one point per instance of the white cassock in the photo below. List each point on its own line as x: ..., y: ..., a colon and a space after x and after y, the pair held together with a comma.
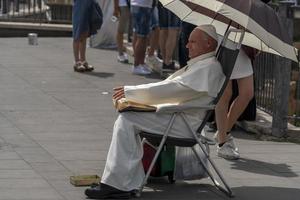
x: 195, y: 84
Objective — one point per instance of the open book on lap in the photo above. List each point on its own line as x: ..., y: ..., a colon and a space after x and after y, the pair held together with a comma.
x: 123, y: 105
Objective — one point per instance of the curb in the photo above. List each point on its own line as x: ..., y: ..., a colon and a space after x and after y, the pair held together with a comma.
x: 262, y: 127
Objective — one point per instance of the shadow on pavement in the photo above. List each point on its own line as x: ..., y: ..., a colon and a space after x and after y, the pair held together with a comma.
x: 155, y: 75
x: 260, y: 167
x: 100, y: 74
x: 182, y: 190
x: 266, y: 192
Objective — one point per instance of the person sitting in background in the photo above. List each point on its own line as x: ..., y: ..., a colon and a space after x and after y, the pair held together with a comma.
x: 196, y: 84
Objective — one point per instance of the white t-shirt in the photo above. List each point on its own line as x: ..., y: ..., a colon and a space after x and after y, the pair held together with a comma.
x: 122, y: 3
x: 142, y: 3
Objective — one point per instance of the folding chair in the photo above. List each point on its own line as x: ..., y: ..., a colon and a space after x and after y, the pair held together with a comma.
x: 227, y: 57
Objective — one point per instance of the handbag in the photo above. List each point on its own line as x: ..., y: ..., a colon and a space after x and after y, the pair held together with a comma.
x: 96, y: 18
x: 187, y: 165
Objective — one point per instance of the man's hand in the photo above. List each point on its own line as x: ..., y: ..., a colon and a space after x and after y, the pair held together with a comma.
x: 118, y: 93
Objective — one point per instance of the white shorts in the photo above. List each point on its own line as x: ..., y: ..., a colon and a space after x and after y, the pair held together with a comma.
x: 242, y: 67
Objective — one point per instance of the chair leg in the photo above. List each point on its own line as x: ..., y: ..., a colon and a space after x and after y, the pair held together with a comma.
x: 160, y: 147
x: 227, y: 190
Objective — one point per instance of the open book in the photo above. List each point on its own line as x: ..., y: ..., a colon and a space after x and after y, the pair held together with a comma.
x: 123, y: 105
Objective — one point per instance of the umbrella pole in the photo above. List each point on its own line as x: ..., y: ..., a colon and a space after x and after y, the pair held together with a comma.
x: 218, y: 51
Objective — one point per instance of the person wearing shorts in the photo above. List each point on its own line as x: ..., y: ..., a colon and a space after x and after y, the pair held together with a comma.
x: 169, y: 25
x: 81, y: 31
x: 122, y: 12
x: 141, y: 14
x: 151, y: 59
x: 243, y: 74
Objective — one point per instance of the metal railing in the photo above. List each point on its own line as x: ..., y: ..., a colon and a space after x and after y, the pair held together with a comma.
x: 264, y: 76
x: 36, y: 11
x: 264, y: 81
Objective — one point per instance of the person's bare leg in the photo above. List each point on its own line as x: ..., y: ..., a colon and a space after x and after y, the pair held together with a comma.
x: 163, y: 35
x: 120, y: 44
x: 246, y: 92
x: 154, y: 41
x: 76, y: 50
x: 221, y: 113
x: 134, y: 42
x: 170, y: 45
x: 140, y: 50
x: 82, y: 49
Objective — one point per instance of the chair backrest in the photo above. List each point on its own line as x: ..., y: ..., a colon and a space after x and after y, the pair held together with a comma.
x: 226, y: 55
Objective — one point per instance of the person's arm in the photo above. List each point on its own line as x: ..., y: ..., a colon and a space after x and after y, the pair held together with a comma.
x: 167, y: 91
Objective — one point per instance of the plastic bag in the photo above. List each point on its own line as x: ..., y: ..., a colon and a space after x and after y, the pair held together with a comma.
x: 187, y: 165
x: 106, y: 36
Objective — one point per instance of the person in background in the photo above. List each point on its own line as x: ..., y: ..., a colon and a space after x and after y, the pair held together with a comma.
x: 122, y: 12
x: 226, y: 118
x: 169, y: 25
x: 81, y: 31
x: 141, y: 14
x: 151, y: 59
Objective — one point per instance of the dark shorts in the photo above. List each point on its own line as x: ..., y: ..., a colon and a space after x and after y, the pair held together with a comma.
x: 154, y: 19
x: 167, y: 19
x: 141, y: 20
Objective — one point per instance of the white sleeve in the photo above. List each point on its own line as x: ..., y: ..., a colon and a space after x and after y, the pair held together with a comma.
x: 166, y: 91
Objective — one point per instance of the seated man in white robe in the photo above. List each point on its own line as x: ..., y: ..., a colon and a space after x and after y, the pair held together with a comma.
x: 196, y: 84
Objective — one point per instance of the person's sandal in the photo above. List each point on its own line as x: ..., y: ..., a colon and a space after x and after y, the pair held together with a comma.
x: 78, y: 67
x: 88, y: 67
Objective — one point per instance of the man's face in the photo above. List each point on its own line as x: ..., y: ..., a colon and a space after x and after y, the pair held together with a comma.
x: 197, y: 44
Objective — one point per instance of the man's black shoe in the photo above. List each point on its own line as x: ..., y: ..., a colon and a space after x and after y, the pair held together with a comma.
x: 103, y: 191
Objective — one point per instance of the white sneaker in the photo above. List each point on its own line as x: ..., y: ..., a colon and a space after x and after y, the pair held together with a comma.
x: 123, y: 58
x: 140, y: 70
x: 146, y: 68
x: 154, y: 62
x: 230, y: 141
x: 227, y: 152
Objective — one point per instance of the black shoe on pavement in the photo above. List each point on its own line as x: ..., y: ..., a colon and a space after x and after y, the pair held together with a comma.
x: 168, y: 68
x: 103, y: 191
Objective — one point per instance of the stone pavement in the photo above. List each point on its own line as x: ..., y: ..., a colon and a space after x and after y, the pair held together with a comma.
x: 55, y: 123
